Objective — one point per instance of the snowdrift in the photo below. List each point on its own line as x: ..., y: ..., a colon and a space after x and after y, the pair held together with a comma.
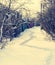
x: 33, y: 47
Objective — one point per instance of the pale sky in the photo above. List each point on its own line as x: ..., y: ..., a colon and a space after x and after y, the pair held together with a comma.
x: 32, y: 5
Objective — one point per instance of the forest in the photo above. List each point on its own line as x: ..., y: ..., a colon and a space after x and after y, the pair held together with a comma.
x: 47, y: 17
x: 12, y: 22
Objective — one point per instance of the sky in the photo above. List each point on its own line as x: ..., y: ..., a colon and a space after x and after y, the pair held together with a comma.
x: 32, y: 5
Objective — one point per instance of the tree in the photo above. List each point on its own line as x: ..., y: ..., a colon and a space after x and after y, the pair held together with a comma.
x: 11, y: 22
x: 48, y: 18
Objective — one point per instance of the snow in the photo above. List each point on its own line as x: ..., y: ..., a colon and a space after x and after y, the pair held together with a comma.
x: 33, y: 47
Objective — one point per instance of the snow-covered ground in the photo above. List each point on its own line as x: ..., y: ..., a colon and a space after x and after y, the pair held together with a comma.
x: 33, y: 47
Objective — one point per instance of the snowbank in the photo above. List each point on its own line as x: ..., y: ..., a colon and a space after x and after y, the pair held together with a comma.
x: 33, y: 47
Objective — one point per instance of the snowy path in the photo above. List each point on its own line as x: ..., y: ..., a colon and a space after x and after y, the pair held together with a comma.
x: 31, y: 48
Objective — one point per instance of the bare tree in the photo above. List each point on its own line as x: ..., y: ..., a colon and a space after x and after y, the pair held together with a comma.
x: 21, y: 7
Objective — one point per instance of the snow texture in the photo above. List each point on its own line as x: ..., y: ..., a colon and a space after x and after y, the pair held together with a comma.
x: 32, y: 47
